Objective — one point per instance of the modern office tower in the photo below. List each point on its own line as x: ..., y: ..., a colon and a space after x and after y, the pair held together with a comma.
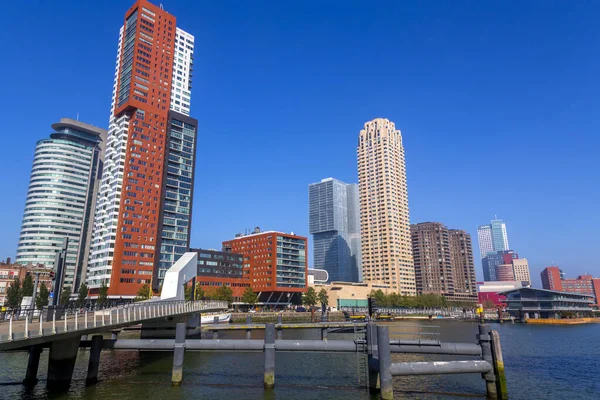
x: 144, y: 207
x: 386, y: 249
x: 484, y: 236
x: 492, y: 237
x: 334, y: 222
x: 431, y: 254
x: 521, y: 270
x: 60, y: 199
x: 463, y: 266
x: 275, y: 263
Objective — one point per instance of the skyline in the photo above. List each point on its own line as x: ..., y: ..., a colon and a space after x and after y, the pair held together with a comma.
x: 244, y: 154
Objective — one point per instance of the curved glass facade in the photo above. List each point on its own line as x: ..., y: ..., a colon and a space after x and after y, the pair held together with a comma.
x: 61, y: 189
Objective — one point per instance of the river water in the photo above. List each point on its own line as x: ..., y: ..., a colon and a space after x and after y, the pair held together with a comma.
x: 542, y: 362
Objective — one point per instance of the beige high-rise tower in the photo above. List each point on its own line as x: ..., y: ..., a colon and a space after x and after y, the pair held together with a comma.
x: 384, y: 220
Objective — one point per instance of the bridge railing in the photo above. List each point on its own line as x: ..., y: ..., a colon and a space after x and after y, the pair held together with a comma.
x: 80, y: 320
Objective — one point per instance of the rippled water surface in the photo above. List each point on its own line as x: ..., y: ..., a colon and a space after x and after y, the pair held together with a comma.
x: 542, y: 362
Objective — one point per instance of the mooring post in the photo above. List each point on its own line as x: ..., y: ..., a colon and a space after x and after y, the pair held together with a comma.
x: 269, y: 378
x: 114, y: 334
x: 279, y: 328
x: 248, y: 319
x: 385, y: 363
x: 499, y: 366
x: 94, y: 363
x: 178, y: 352
x: 216, y: 320
x: 372, y: 353
x: 32, y: 365
x: 486, y: 354
x: 324, y: 334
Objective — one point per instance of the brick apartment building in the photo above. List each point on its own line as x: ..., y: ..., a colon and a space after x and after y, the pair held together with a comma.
x: 553, y: 279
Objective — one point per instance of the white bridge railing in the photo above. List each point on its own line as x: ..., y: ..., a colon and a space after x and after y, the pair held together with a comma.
x: 29, y: 327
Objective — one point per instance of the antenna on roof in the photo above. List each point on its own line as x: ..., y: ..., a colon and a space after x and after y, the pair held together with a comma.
x: 77, y: 115
x: 161, y: 6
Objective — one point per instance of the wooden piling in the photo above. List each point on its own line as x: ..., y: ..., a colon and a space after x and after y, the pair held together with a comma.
x: 499, y: 366
x: 269, y: 378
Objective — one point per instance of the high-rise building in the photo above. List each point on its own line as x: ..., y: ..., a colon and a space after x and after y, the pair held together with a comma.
x: 334, y: 222
x: 443, y: 261
x: 492, y: 237
x: 61, y: 195
x: 275, y: 264
x: 144, y: 207
x: 521, y: 270
x: 386, y: 249
x: 463, y: 266
x: 552, y: 278
x: 491, y: 262
x: 431, y: 255
x: 484, y: 236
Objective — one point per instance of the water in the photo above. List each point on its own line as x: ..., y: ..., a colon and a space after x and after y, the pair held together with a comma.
x: 542, y: 362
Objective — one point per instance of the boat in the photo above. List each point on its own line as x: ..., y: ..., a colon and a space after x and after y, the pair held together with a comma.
x: 207, y: 319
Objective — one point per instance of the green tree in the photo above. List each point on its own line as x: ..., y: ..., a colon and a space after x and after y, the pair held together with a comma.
x: 143, y: 292
x: 224, y: 293
x: 188, y: 293
x: 103, y: 294
x: 323, y: 297
x: 310, y: 297
x: 14, y: 294
x: 43, y: 296
x: 65, y: 296
x: 27, y: 287
x: 82, y: 295
x: 379, y: 297
x: 249, y: 297
x: 199, y: 292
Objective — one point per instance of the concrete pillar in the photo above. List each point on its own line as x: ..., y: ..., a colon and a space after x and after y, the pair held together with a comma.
x: 32, y: 365
x: 372, y: 353
x: 385, y: 362
x: 61, y: 362
x: 269, y: 378
x: 486, y: 354
x: 94, y: 363
x: 178, y: 353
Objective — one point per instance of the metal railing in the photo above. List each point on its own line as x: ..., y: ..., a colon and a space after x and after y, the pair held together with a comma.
x: 81, y: 319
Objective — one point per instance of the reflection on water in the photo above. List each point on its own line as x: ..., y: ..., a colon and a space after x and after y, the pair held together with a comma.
x: 542, y: 362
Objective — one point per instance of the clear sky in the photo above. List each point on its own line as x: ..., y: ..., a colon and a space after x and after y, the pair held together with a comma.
x: 498, y: 104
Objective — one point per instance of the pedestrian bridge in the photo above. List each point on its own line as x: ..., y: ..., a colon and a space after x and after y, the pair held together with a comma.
x: 26, y: 331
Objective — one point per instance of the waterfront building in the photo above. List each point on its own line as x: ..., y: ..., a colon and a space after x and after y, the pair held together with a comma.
x: 553, y: 279
x: 443, y: 261
x: 463, y: 265
x: 144, y: 207
x: 492, y: 238
x: 60, y: 198
x: 350, y: 294
x: 334, y: 222
x: 489, y: 291
x: 541, y: 303
x: 384, y: 216
x: 275, y: 263
x: 218, y: 268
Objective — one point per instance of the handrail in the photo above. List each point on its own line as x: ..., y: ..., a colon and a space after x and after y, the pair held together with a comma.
x: 19, y: 328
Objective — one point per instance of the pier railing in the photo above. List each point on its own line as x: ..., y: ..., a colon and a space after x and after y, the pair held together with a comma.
x: 28, y: 327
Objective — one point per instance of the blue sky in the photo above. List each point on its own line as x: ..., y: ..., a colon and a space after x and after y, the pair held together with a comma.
x: 497, y: 102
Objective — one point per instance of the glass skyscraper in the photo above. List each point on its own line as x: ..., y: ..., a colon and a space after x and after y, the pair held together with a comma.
x: 334, y: 222
x: 493, y: 243
x: 61, y: 195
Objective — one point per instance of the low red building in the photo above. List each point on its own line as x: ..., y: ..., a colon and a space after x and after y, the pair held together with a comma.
x: 553, y: 279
